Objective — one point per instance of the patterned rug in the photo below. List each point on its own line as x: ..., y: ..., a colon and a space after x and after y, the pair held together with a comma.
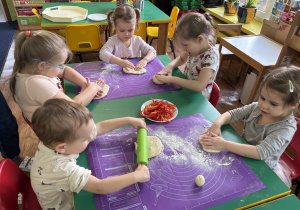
x: 7, y: 32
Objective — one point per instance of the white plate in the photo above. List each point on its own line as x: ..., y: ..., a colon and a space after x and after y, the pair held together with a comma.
x: 97, y: 17
x: 150, y: 101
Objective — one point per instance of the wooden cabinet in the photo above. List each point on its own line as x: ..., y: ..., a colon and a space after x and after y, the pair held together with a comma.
x: 26, y: 22
x: 291, y: 46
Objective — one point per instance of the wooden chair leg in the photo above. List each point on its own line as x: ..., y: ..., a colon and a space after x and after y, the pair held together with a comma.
x: 220, y: 66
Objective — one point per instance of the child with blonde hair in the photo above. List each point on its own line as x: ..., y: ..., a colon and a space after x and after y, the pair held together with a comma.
x: 125, y: 44
x: 269, y: 124
x: 65, y: 129
x: 40, y: 58
x: 195, y: 34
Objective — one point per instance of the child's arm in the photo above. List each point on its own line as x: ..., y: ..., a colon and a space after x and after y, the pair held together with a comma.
x: 86, y: 96
x: 109, y: 125
x: 73, y: 76
x: 214, y: 142
x: 113, y: 184
x: 180, y: 60
x: 142, y: 63
x: 215, y: 128
x: 196, y: 85
x: 121, y: 62
x: 106, y: 55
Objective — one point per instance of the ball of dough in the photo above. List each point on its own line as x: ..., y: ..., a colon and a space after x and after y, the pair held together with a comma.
x: 156, y: 81
x: 104, y: 93
x: 154, y: 146
x: 209, y: 150
x: 132, y: 71
x: 200, y: 181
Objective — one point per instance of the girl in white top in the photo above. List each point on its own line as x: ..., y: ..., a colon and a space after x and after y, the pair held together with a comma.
x: 195, y: 34
x: 125, y: 44
x: 39, y: 63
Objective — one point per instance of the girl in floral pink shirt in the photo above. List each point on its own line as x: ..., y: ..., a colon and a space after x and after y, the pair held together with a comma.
x: 195, y: 34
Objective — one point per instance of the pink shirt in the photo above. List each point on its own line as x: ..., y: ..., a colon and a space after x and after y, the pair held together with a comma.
x: 115, y: 47
x: 33, y: 90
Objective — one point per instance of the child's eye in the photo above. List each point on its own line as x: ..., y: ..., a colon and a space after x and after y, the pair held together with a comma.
x: 273, y: 104
x: 262, y: 98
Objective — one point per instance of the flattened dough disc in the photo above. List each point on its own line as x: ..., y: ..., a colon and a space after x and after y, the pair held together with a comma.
x: 155, y: 147
x: 132, y: 71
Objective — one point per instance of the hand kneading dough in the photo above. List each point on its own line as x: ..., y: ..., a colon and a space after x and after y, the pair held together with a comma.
x: 155, y: 147
x: 132, y: 71
x: 209, y: 150
x: 200, y: 180
x: 105, y: 91
x: 156, y: 81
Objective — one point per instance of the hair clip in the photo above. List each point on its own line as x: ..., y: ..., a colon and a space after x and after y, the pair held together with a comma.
x: 291, y: 86
x: 37, y: 33
x: 198, y: 19
x: 204, y: 15
x: 27, y: 34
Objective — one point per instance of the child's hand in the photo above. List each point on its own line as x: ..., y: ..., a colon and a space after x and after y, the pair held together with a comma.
x: 127, y: 64
x: 164, y: 78
x: 212, y: 141
x: 142, y: 173
x: 141, y: 64
x: 137, y: 123
x: 101, y: 84
x: 213, y: 129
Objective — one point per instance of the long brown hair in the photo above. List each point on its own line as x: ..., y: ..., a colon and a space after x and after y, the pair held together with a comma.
x: 124, y: 13
x: 42, y: 45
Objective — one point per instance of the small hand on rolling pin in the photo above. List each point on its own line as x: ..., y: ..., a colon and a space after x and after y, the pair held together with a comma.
x: 142, y: 173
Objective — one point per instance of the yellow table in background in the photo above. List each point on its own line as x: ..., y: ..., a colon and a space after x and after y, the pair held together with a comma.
x: 253, y: 27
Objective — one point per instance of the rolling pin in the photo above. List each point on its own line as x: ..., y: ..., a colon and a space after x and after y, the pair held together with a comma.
x: 142, y: 150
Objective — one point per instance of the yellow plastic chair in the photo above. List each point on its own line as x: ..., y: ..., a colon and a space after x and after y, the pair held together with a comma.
x: 60, y: 32
x: 142, y: 31
x: 153, y: 31
x: 83, y: 39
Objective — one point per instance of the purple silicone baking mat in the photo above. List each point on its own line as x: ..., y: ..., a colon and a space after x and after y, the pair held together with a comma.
x: 173, y: 172
x: 124, y: 85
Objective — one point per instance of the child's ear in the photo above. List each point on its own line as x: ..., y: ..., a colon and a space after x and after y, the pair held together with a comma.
x: 60, y: 147
x: 41, y: 66
x: 296, y: 105
x: 200, y: 38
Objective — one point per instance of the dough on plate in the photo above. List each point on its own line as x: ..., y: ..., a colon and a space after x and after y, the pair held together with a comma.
x: 105, y: 91
x: 200, y: 180
x: 132, y: 71
x: 155, y: 147
x: 156, y: 81
x: 209, y: 150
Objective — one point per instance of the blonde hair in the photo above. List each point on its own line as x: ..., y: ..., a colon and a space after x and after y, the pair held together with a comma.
x: 57, y: 120
x: 286, y: 81
x: 42, y: 45
x: 125, y: 13
x: 191, y: 25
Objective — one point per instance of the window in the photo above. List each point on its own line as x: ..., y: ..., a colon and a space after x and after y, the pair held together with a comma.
x: 264, y: 8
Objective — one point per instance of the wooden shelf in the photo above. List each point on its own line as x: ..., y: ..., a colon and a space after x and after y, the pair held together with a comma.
x: 28, y: 5
x: 29, y: 27
x: 291, y: 46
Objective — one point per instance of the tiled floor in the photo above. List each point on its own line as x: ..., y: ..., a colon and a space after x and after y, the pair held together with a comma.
x: 230, y: 92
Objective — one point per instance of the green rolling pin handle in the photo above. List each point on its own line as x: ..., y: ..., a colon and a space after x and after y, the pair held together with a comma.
x: 142, y: 149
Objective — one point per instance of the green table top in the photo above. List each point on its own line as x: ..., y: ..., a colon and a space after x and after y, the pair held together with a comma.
x: 287, y: 202
x: 188, y: 102
x: 150, y: 13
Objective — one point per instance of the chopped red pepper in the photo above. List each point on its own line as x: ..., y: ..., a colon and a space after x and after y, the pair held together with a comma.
x: 159, y: 110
